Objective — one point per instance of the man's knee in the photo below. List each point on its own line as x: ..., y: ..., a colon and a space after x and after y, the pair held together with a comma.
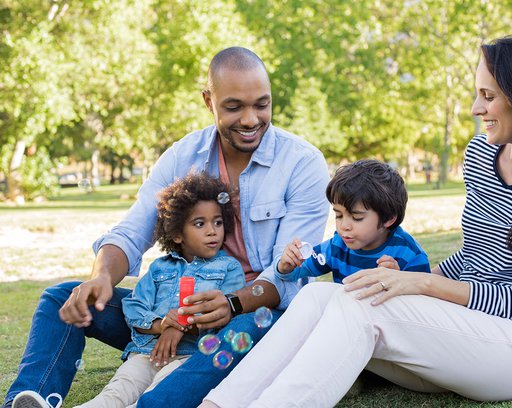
x: 59, y: 293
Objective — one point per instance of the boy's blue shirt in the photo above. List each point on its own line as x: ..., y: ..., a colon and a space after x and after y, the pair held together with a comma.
x: 343, y: 261
x: 158, y: 291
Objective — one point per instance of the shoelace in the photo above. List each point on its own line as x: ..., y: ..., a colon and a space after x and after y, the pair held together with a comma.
x: 54, y: 395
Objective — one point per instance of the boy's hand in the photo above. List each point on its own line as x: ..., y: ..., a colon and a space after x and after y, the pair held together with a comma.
x: 165, y: 346
x: 386, y: 261
x: 291, y: 258
x: 171, y: 320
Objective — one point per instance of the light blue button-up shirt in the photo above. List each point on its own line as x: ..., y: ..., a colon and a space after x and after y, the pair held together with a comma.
x: 282, y: 196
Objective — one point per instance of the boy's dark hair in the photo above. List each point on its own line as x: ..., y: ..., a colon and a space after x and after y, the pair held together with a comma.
x: 373, y: 183
x: 176, y: 203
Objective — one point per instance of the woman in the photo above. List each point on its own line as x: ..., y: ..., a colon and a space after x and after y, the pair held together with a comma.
x: 454, y: 330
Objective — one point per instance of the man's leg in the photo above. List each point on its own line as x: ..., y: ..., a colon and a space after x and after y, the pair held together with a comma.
x: 53, y: 347
x: 186, y: 386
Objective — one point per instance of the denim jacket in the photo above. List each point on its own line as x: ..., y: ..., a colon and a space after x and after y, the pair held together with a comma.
x: 158, y: 291
x: 282, y: 196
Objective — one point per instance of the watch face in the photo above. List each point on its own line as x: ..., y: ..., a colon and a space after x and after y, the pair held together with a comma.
x: 234, y: 303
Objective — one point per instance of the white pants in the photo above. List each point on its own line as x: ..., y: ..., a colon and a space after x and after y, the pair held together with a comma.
x: 315, y: 352
x: 134, y: 377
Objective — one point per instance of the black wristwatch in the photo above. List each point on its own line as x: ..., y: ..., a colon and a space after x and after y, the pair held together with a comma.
x: 234, y: 304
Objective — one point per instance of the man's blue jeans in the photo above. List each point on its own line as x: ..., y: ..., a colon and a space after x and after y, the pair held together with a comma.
x: 186, y: 386
x: 53, y: 347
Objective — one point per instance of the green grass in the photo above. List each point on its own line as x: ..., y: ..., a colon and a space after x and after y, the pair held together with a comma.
x: 56, y: 236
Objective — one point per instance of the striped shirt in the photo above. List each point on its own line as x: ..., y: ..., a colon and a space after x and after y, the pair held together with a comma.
x: 343, y: 261
x: 484, y: 261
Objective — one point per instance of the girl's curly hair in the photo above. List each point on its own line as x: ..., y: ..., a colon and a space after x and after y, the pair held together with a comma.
x: 176, y: 203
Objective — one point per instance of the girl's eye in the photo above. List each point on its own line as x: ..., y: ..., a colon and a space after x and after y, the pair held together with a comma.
x: 198, y: 224
x: 489, y: 98
x: 232, y: 108
x: 357, y: 219
x: 218, y: 223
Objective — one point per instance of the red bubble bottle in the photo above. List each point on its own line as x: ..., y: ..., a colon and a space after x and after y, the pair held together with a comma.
x: 186, y: 289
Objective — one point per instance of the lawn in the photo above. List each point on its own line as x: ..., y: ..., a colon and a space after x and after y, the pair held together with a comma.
x: 50, y: 242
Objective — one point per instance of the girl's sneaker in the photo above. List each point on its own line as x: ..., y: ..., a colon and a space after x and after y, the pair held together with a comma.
x: 31, y: 399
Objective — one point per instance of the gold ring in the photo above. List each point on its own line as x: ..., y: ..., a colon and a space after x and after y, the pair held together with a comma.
x: 383, y: 286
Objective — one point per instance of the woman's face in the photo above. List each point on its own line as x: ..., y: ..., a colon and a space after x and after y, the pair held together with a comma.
x: 493, y: 106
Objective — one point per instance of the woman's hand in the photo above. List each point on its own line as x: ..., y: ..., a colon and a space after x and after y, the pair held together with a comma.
x: 386, y: 283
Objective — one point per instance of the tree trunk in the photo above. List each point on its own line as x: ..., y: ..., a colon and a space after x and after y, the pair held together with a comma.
x: 14, y: 178
x: 95, y: 169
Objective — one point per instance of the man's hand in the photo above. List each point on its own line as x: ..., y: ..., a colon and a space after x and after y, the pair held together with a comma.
x: 96, y: 291
x: 165, y: 346
x: 213, y: 307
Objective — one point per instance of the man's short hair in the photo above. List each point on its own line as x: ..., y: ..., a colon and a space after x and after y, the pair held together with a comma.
x: 234, y: 58
x: 373, y: 183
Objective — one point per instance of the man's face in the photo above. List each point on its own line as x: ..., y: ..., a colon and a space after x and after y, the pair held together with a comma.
x: 241, y: 104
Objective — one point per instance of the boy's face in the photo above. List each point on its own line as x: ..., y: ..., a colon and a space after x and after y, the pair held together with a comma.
x: 203, y: 233
x: 360, y: 229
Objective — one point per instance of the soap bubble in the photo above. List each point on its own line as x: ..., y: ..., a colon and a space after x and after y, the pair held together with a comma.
x: 242, y: 342
x: 263, y: 317
x: 223, y: 198
x: 321, y: 259
x: 257, y: 290
x: 80, y: 364
x: 306, y: 249
x: 208, y: 344
x: 222, y: 359
x: 85, y: 185
x: 228, y: 336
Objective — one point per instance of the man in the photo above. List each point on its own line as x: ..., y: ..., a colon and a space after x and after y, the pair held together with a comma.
x: 278, y: 182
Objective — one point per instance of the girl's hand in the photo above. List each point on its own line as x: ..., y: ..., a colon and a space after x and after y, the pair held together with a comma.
x: 291, y: 258
x: 386, y: 283
x: 165, y: 346
x: 171, y: 320
x: 386, y: 261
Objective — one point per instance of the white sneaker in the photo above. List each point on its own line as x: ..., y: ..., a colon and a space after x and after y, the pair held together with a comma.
x: 31, y: 399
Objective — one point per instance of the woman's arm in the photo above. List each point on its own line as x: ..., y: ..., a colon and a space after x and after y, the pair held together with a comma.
x: 387, y: 283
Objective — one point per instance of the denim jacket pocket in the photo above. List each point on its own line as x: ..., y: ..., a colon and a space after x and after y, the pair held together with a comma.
x: 166, y: 283
x: 209, y: 279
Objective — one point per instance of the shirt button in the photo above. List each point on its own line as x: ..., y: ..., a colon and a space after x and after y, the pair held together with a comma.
x: 268, y: 214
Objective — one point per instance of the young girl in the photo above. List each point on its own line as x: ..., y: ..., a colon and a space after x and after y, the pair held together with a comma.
x: 194, y: 214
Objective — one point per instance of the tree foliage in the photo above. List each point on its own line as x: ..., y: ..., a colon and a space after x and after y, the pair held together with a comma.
x: 123, y: 78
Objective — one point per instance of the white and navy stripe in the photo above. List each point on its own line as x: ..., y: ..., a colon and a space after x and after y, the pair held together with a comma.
x: 485, y: 261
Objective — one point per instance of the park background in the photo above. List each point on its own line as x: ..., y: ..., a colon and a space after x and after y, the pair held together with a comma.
x: 96, y: 90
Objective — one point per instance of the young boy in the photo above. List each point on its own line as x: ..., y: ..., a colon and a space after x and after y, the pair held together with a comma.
x: 369, y: 200
x: 194, y: 214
